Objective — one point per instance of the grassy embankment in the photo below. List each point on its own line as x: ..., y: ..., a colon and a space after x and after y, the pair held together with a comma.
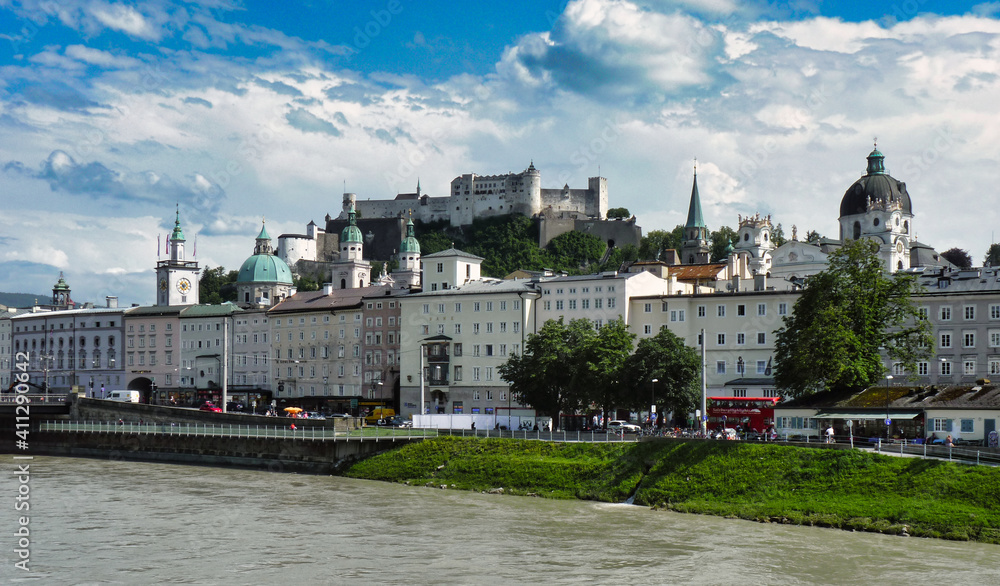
x: 832, y: 488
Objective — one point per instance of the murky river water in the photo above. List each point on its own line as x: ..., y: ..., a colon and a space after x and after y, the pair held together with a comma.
x: 101, y: 521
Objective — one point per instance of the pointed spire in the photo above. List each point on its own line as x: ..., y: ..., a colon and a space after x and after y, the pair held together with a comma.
x: 695, y: 219
x: 178, y: 234
x: 418, y: 186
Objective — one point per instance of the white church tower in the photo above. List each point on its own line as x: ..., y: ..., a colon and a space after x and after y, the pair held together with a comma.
x: 177, y: 279
x: 352, y: 270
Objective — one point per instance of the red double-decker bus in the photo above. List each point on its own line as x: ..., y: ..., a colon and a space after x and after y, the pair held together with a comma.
x: 755, y: 412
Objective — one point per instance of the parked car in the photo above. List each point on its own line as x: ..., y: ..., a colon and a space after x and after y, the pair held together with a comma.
x: 211, y: 407
x: 395, y: 421
x: 623, y: 426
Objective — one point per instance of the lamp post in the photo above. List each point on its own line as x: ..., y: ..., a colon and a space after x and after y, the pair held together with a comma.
x: 888, y: 422
x: 652, y: 400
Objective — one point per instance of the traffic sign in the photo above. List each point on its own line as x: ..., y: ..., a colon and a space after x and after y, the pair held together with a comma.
x: 888, y: 421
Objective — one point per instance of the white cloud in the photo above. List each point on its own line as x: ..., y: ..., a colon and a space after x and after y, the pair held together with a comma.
x: 125, y: 19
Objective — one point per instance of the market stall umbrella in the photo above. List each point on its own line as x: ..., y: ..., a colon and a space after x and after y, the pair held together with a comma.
x: 293, y: 409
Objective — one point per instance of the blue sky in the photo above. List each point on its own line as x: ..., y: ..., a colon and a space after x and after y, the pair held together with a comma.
x: 111, y: 113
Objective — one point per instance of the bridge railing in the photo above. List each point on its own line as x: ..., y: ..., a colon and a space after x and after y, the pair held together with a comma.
x: 234, y: 430
x: 34, y: 398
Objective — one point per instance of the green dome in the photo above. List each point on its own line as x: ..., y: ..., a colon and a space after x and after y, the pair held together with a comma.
x: 351, y: 233
x: 177, y: 234
x: 410, y: 244
x: 264, y: 268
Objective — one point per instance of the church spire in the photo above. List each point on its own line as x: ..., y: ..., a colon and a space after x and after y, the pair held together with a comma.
x: 876, y: 161
x: 695, y: 219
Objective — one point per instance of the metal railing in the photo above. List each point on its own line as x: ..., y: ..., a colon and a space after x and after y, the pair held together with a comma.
x: 236, y: 431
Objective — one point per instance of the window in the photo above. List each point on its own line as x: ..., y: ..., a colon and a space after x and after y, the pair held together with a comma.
x: 440, y: 308
x: 475, y: 349
x: 782, y: 309
x: 585, y: 304
x: 559, y: 304
x: 969, y: 312
x: 761, y: 366
x: 761, y: 309
x: 720, y: 367
x: 489, y: 327
x: 720, y: 339
x: 941, y: 424
x: 995, y: 311
x: 969, y: 367
x: 475, y: 328
x: 701, y: 311
x: 945, y: 313
x: 647, y: 329
x: 475, y: 373
x: 647, y: 308
x: 489, y: 349
x: 946, y: 368
x: 741, y: 310
x: 489, y: 373
x: 741, y: 339
x: 572, y: 303
x: 945, y: 340
x: 547, y: 305
x: 968, y: 339
x: 663, y: 307
x: 611, y: 302
x: 475, y: 306
x: 994, y: 366
x: 458, y: 373
x: 761, y: 338
x: 922, y: 368
x: 967, y: 426
x: 425, y: 309
x: 458, y: 349
x: 677, y: 315
x: 739, y: 392
x: 458, y: 328
x: 489, y: 306
x: 721, y: 310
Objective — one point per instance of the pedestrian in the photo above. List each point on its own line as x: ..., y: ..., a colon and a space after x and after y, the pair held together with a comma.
x: 293, y: 426
x: 949, y: 443
x: 829, y: 434
x: 473, y: 426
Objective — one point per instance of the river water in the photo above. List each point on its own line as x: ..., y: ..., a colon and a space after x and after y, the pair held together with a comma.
x: 116, y: 522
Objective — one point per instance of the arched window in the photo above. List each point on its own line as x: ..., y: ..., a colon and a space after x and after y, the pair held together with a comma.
x: 83, y: 342
x: 97, y: 342
x: 343, y: 283
x: 857, y: 230
x: 83, y: 359
x: 97, y: 359
x: 111, y: 358
x: 59, y: 360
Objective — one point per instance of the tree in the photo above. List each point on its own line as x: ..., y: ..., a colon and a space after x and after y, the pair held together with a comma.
x: 846, y: 317
x: 958, y: 257
x: 675, y: 367
x: 720, y: 241
x: 598, y: 365
x: 813, y: 237
x: 992, y: 256
x: 217, y: 286
x: 305, y: 283
x: 618, y: 213
x: 575, y: 249
x: 778, y: 236
x: 545, y: 376
x: 656, y: 242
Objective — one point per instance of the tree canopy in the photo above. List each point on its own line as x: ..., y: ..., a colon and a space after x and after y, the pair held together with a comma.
x: 846, y: 317
x: 656, y: 242
x: 720, y: 241
x: 566, y: 367
x: 618, y: 213
x: 992, y: 256
x: 676, y: 368
x: 216, y: 285
x: 958, y: 257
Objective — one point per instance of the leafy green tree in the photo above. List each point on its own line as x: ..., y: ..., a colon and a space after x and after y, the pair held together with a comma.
x: 598, y: 362
x: 217, y: 286
x: 656, y: 242
x: 306, y: 283
x: 813, y: 237
x: 676, y: 368
x: 778, y: 236
x: 958, y: 257
x: 575, y: 249
x: 992, y: 256
x: 545, y: 376
x: 846, y: 317
x: 720, y: 241
x: 618, y: 213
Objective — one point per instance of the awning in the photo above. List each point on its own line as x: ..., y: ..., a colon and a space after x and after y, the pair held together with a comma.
x: 909, y: 414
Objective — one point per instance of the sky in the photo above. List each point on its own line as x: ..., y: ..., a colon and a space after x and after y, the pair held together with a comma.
x: 115, y: 114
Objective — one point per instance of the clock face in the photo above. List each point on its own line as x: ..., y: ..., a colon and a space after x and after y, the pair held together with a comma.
x: 899, y: 247
x: 163, y: 284
x: 183, y: 285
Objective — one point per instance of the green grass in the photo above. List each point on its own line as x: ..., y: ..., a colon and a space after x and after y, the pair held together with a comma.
x: 832, y: 488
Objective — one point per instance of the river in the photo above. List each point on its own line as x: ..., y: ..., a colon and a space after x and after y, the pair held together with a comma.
x: 116, y: 522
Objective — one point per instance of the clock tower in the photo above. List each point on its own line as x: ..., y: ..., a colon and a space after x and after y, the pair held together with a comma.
x: 176, y: 278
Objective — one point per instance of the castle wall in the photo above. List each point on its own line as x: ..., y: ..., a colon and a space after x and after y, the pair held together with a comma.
x: 295, y: 247
x: 620, y: 232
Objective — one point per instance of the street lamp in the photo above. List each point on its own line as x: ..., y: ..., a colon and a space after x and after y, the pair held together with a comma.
x: 652, y: 399
x: 888, y: 382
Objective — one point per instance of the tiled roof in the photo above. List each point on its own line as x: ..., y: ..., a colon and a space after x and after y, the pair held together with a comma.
x: 319, y: 301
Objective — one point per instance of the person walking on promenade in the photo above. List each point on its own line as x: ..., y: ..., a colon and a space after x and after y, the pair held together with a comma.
x: 829, y: 434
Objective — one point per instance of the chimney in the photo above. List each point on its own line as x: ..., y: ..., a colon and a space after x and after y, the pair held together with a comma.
x: 760, y: 282
x: 327, y: 288
x: 111, y: 301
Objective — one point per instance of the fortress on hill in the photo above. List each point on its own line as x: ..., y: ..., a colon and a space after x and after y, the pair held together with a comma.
x: 481, y: 196
x: 383, y: 221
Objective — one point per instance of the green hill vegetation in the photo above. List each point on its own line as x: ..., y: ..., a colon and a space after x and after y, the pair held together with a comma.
x: 846, y: 489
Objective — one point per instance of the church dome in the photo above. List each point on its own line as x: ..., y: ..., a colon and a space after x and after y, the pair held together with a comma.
x: 878, y: 187
x: 351, y: 233
x: 410, y: 244
x: 264, y: 268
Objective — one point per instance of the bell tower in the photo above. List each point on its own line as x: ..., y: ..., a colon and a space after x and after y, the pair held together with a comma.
x: 176, y: 278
